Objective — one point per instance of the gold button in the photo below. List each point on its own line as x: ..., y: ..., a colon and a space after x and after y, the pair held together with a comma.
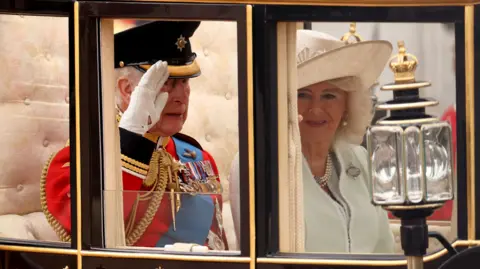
x: 122, y: 64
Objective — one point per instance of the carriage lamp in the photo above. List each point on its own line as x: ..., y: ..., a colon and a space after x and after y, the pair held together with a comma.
x: 410, y: 157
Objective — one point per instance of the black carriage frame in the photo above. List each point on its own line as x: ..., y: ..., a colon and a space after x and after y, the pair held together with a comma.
x: 265, y: 18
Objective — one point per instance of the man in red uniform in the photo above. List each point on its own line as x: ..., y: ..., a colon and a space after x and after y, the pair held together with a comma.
x: 154, y: 63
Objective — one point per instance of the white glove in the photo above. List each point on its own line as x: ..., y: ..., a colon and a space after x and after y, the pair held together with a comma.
x: 146, y: 101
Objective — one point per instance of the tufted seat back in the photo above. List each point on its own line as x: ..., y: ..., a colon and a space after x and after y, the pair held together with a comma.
x: 34, y: 107
x: 213, y: 109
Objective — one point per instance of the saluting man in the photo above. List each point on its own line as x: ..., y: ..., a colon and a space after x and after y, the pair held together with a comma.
x: 154, y: 63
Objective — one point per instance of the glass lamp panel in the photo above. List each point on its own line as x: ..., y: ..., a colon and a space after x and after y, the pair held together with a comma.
x: 437, y: 143
x: 386, y: 164
x: 413, y: 165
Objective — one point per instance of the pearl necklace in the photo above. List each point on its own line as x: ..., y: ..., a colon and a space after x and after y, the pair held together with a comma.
x: 323, y: 180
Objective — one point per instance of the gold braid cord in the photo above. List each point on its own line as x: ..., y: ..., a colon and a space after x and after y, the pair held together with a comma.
x: 161, y: 166
x: 57, y: 227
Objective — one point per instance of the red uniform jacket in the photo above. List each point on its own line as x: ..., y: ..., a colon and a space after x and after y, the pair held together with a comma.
x: 199, y: 219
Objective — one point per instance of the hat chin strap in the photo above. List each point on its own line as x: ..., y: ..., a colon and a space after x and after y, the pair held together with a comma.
x: 139, y: 68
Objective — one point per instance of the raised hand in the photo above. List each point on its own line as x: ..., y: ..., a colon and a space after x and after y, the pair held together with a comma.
x: 146, y: 102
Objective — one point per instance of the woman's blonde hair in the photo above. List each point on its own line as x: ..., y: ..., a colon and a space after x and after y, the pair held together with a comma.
x: 359, y: 110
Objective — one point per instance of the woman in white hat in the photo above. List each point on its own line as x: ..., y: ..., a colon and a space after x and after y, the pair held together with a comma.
x: 334, y: 106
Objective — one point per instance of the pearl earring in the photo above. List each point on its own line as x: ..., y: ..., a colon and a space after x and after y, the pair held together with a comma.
x: 344, y: 122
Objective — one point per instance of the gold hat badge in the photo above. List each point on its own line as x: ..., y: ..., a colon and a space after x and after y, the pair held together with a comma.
x: 181, y: 43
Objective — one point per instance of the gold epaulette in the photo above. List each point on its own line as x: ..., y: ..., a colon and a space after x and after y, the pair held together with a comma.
x: 134, y: 165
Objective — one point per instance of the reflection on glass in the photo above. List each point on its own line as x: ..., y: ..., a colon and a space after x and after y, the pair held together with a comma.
x: 388, y: 165
x: 386, y: 160
x: 415, y: 188
x: 174, y: 192
x: 338, y: 216
x: 437, y: 139
x: 34, y: 106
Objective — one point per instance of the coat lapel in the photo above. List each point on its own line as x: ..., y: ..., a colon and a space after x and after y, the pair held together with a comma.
x: 325, y: 230
x: 363, y: 216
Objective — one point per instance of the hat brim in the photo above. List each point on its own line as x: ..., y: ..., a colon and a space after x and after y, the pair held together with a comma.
x: 364, y: 61
x: 180, y: 71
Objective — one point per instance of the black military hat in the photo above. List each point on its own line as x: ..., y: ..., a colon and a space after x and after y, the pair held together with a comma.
x: 168, y: 41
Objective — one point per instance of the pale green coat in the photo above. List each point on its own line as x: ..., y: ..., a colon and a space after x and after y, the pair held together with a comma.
x: 327, y: 228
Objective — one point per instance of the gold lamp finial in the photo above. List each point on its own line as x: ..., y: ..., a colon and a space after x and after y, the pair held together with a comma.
x: 405, y: 66
x: 353, y: 27
x: 351, y: 33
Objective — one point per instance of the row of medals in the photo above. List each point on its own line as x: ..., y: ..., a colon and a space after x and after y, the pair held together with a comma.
x: 198, y: 178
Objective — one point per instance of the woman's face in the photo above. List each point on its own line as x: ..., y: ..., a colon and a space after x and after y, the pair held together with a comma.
x: 322, y: 106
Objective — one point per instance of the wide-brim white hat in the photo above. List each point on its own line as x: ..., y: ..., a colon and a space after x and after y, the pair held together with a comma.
x: 321, y: 57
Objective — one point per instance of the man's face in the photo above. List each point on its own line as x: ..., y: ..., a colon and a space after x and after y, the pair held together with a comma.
x: 176, y: 109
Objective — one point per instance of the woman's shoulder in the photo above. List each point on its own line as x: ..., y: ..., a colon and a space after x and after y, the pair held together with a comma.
x: 351, y: 150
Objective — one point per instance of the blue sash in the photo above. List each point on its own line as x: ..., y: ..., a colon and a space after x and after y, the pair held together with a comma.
x: 194, y: 219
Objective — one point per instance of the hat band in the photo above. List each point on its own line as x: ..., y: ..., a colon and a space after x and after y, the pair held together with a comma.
x: 171, y: 61
x: 177, y: 71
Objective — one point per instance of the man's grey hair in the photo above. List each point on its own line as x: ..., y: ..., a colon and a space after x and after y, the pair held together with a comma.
x: 129, y: 72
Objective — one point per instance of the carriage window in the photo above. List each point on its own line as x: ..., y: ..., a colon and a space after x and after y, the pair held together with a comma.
x: 172, y: 87
x: 34, y: 83
x: 337, y: 79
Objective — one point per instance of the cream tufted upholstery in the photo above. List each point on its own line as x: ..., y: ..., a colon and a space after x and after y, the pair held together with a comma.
x: 213, y: 110
x: 34, y: 108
